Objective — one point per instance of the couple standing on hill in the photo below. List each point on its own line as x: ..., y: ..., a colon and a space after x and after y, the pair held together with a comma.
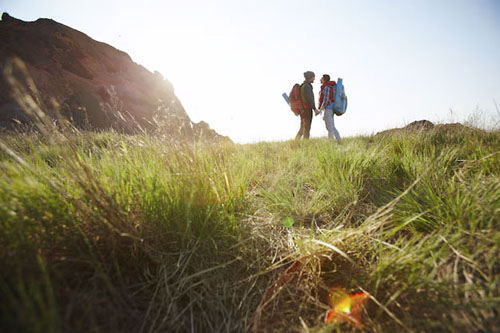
x: 325, y: 103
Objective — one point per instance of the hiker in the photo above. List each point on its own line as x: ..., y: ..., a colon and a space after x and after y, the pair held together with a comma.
x: 307, y: 94
x: 326, y: 98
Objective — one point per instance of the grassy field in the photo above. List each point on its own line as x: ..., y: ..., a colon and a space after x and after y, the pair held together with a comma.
x: 104, y: 232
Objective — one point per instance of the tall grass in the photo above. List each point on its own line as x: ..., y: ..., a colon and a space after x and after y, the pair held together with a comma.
x: 107, y: 232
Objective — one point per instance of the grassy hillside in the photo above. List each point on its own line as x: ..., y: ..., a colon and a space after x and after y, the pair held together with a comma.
x: 104, y: 232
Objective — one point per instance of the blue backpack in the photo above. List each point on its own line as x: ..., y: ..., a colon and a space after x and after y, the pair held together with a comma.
x: 340, y: 99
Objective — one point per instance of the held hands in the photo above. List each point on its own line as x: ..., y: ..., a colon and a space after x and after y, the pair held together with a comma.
x: 317, y: 112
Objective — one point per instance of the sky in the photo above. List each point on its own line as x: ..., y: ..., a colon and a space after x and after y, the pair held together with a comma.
x: 230, y: 61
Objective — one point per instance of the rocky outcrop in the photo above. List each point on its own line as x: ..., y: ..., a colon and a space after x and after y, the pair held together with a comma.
x: 426, y: 126
x: 94, y: 84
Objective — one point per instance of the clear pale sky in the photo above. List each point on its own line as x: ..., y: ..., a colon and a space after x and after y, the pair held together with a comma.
x: 230, y: 61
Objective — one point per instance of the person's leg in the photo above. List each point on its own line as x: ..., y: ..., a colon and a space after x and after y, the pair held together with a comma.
x: 329, y: 122
x: 307, y: 124
x: 335, y: 132
x: 300, y: 133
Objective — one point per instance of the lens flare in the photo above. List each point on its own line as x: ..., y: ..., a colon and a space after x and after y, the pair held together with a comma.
x: 346, y: 307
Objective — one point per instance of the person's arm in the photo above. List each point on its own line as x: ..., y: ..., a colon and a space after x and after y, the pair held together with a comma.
x: 325, y: 94
x: 320, y: 99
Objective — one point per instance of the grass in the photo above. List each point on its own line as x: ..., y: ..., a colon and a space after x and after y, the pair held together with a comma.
x: 107, y: 232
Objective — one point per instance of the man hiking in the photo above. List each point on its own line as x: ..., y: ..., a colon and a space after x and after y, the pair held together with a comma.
x: 326, y: 99
x: 307, y: 94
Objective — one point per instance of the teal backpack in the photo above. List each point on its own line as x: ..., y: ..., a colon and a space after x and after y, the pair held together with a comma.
x: 340, y: 99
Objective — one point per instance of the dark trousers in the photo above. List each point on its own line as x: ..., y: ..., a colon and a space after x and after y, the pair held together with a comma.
x: 305, y: 124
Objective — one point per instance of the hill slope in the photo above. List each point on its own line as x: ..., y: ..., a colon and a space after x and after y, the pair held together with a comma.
x: 123, y: 233
x: 95, y: 84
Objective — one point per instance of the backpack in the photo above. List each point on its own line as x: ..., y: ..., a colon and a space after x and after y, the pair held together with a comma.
x: 295, y: 99
x: 340, y: 99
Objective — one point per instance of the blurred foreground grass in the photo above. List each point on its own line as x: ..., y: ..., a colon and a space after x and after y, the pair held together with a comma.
x: 107, y: 232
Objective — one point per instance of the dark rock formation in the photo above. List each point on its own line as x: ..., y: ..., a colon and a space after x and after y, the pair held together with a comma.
x: 94, y: 84
x: 419, y: 125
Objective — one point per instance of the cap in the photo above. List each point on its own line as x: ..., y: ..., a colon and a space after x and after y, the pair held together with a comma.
x: 309, y: 74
